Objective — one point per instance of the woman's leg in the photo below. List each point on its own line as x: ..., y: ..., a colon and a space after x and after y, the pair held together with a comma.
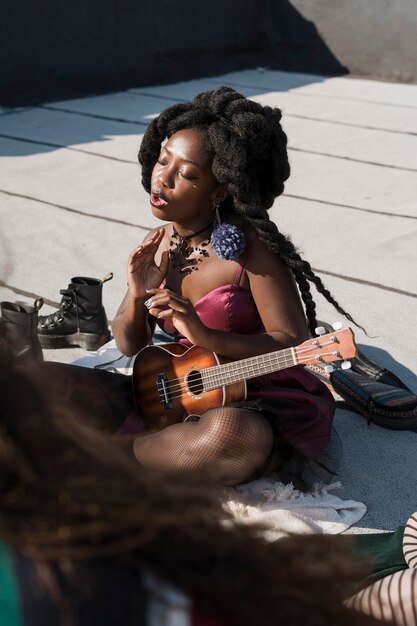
x: 392, y: 599
x: 225, y: 446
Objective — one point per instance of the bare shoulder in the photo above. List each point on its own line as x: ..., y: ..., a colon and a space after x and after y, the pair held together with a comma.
x: 275, y: 292
x: 263, y: 261
x: 167, y: 228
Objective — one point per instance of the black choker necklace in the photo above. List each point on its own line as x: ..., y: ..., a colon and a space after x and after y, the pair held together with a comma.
x: 180, y: 247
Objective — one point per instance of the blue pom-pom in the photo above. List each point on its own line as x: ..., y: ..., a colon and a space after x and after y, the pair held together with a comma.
x: 228, y: 242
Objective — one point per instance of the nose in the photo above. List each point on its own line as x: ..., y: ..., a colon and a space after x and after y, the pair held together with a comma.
x: 164, y: 177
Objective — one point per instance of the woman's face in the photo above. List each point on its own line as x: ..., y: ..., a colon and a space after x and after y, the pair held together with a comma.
x: 183, y: 188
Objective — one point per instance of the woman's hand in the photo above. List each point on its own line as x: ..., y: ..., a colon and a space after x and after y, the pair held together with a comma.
x: 142, y: 271
x: 168, y: 305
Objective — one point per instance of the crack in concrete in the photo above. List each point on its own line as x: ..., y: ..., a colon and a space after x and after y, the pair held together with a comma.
x: 349, y: 206
x: 76, y: 211
x: 369, y: 283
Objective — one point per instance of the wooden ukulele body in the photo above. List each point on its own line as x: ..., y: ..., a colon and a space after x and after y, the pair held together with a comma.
x: 167, y: 384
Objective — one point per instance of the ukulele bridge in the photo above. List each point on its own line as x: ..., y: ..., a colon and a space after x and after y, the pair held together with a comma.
x: 162, y: 386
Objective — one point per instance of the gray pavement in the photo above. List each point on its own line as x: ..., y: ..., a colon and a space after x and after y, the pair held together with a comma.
x: 72, y: 204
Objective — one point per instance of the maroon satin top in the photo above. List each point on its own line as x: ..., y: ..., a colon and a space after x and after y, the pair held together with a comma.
x: 295, y: 402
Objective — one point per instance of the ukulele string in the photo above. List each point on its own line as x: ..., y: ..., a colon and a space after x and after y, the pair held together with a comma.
x: 280, y: 362
x: 312, y: 347
x: 240, y: 369
x: 320, y: 357
x: 177, y: 390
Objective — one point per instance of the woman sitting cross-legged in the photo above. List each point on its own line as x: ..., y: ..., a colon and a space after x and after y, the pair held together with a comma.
x: 219, y: 274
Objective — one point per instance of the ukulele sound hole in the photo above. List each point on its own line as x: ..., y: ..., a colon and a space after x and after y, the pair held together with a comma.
x: 195, y: 383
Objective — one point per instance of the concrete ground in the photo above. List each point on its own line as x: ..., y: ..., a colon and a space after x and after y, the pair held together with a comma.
x: 72, y: 204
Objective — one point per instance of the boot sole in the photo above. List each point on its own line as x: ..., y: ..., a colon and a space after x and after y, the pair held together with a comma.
x: 88, y: 341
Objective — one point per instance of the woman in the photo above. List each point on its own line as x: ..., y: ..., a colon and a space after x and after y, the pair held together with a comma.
x: 230, y: 289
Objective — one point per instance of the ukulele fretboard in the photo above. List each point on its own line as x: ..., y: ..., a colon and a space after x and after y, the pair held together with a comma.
x: 229, y: 373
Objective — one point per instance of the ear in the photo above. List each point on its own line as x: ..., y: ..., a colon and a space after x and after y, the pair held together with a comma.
x: 220, y: 194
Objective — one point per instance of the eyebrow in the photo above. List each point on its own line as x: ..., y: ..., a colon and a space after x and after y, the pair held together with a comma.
x: 182, y: 159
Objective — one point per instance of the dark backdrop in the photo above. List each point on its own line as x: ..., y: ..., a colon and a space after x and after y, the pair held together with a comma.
x: 65, y: 48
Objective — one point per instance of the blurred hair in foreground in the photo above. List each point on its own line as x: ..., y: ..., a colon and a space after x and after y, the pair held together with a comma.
x: 71, y: 494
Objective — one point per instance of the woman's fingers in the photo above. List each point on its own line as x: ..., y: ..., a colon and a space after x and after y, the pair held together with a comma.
x: 165, y: 314
x: 142, y: 269
x: 138, y: 256
x: 175, y: 305
x: 167, y: 300
x: 144, y: 254
x: 156, y: 291
x: 166, y: 304
x: 135, y: 253
x: 150, y: 246
x: 156, y: 239
x: 146, y: 249
x: 162, y: 295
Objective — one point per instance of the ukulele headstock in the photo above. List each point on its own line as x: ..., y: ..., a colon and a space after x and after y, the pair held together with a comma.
x: 328, y: 348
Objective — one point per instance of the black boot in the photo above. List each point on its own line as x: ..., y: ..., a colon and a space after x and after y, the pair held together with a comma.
x: 80, y: 320
x: 18, y: 329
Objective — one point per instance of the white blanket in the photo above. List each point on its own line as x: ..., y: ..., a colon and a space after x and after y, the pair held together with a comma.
x: 279, y: 507
x: 282, y: 509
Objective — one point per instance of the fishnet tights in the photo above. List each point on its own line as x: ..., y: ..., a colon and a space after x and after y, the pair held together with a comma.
x: 226, y: 446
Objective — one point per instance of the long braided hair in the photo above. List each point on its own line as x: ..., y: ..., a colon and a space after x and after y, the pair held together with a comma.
x: 249, y: 149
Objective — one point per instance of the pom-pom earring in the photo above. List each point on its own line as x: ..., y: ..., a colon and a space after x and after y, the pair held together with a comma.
x: 227, y: 240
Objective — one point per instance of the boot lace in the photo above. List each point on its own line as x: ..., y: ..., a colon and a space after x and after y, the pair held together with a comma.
x: 65, y: 307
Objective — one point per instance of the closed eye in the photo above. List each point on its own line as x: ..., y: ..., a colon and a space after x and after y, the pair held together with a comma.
x: 164, y: 162
x: 185, y: 176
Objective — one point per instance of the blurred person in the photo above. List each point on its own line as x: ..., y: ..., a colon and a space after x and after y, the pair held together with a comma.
x: 89, y: 537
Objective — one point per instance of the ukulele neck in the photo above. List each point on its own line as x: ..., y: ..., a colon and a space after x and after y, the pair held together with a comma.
x: 236, y: 371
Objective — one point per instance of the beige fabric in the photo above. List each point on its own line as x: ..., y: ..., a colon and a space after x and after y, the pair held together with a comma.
x: 282, y: 510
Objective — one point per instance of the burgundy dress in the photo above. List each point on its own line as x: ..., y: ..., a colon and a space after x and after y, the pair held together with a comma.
x: 297, y: 405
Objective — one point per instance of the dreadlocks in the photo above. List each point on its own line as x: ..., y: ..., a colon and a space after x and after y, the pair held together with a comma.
x: 249, y: 150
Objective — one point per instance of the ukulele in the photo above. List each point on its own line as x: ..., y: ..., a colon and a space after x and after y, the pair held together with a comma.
x: 172, y: 381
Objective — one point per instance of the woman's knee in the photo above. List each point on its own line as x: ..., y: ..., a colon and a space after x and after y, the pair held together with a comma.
x: 240, y: 441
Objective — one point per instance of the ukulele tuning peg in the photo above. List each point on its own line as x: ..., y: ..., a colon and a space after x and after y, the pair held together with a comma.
x: 337, y: 325
x: 328, y: 369
x: 346, y: 365
x: 320, y: 330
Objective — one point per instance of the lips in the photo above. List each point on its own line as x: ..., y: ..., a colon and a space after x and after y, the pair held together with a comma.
x: 158, y: 200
